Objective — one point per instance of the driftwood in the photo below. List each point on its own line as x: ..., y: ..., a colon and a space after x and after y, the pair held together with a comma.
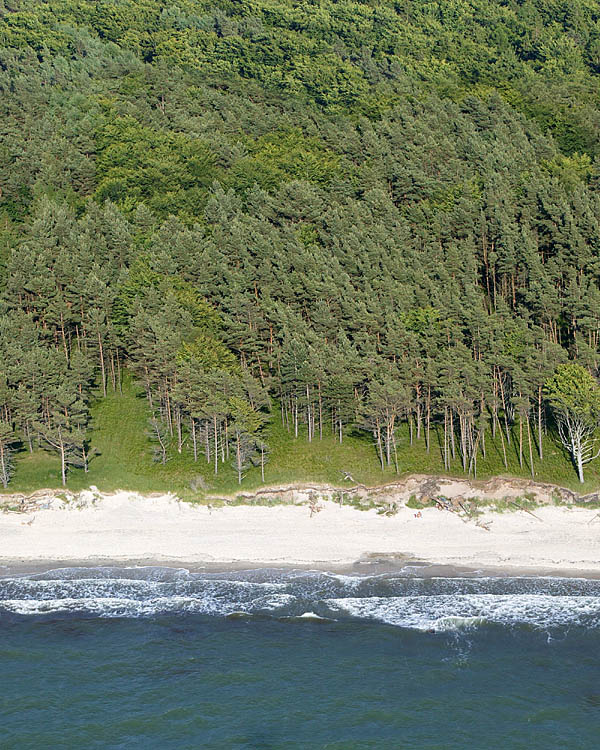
x: 525, y: 510
x: 24, y: 504
x: 44, y: 500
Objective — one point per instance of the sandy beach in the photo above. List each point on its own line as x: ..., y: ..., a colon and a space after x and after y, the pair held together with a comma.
x: 128, y: 527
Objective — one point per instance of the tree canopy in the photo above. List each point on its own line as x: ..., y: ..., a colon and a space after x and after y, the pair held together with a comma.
x: 361, y: 214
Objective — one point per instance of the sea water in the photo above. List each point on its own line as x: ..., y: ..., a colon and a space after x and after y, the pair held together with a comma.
x: 165, y: 658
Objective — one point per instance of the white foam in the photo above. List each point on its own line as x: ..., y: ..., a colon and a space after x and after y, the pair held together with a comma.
x: 443, y: 612
x: 133, y: 597
x: 347, y: 579
x: 312, y: 616
x: 431, y: 604
x: 122, y: 607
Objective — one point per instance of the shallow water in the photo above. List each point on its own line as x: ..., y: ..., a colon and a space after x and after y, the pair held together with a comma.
x: 165, y: 658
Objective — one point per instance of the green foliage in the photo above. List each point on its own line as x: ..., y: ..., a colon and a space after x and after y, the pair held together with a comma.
x: 245, y: 417
x: 277, y: 156
x: 382, y: 214
x: 573, y: 390
x: 421, y: 319
x: 120, y: 452
x: 170, y: 172
x: 207, y: 354
x: 413, y: 503
x: 574, y: 396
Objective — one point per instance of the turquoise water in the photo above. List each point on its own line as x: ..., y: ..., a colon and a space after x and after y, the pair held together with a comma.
x: 163, y: 658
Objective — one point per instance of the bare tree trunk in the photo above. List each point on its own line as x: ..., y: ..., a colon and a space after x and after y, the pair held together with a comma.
x: 379, y: 446
x: 320, y: 414
x: 428, y: 419
x: 388, y: 443
x: 446, y: 462
x: 102, y: 367
x: 216, y: 444
x: 308, y: 414
x: 474, y: 444
x: 119, y: 372
x: 462, y: 426
x: 502, y: 441
x: 238, y: 457
x: 168, y: 409
x: 161, y: 442
x: 530, y: 448
x: 505, y: 410
x: 4, y: 475
x: 295, y: 417
x: 179, y: 430
x: 28, y: 437
x: 540, y: 447
x: 483, y: 420
x: 63, y: 465
x: 113, y: 375
x: 520, y: 441
x: 194, y: 441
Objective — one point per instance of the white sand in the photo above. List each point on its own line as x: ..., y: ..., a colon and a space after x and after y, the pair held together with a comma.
x: 129, y: 527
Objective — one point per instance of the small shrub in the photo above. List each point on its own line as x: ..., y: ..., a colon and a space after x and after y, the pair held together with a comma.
x: 412, y: 502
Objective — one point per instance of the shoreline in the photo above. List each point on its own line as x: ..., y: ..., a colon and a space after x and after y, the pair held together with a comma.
x: 126, y: 529
x: 360, y: 568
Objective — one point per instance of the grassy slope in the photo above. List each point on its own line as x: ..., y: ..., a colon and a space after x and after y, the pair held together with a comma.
x: 124, y: 459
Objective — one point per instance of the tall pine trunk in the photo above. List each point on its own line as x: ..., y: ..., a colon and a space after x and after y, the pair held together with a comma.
x: 428, y: 420
x: 540, y: 447
x: 102, y: 366
x: 520, y: 441
x: 238, y: 457
x: 378, y: 441
x: 530, y: 448
x: 216, y: 438
x: 194, y: 441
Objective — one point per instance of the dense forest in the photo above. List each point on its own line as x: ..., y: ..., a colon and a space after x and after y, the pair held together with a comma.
x: 377, y: 217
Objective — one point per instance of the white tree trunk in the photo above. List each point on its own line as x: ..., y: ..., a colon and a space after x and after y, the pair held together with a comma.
x: 63, y: 465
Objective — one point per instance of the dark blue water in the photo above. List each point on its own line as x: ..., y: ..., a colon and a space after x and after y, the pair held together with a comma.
x: 161, y: 658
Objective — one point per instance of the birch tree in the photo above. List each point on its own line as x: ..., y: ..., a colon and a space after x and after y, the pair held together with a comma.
x: 574, y: 396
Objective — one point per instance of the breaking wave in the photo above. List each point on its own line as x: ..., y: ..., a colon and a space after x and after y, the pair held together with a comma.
x: 398, y: 599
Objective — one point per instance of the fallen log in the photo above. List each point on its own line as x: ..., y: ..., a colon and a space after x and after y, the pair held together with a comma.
x: 525, y: 510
